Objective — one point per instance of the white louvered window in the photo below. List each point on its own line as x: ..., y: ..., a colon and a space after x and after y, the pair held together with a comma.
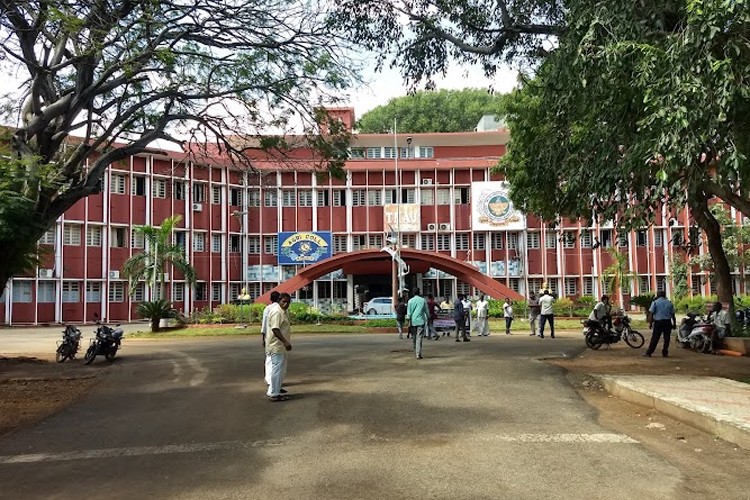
x: 94, y: 236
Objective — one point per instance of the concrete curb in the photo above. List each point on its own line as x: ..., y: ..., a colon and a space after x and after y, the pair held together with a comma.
x: 712, y: 419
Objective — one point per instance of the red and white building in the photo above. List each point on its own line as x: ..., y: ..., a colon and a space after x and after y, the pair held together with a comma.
x: 231, y: 220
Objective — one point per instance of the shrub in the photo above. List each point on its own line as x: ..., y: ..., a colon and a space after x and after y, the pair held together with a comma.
x: 563, y: 307
x: 156, y: 311
x: 379, y: 323
x: 586, y: 301
x: 643, y: 301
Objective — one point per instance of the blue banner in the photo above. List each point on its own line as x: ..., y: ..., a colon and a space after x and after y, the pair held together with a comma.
x: 304, y: 248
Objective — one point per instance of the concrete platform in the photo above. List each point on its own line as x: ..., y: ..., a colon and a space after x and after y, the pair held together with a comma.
x: 715, y: 405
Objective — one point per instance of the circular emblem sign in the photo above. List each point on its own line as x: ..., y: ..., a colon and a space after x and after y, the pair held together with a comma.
x: 496, y: 206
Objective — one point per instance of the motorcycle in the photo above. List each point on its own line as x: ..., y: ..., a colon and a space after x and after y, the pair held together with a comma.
x: 695, y: 333
x: 596, y: 335
x: 106, y: 341
x: 67, y: 348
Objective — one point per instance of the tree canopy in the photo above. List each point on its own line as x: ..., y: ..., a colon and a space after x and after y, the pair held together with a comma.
x: 432, y: 111
x: 119, y: 74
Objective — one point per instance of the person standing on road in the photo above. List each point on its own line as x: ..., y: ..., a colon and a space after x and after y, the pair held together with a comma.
x: 467, y: 314
x: 416, y: 312
x: 483, y: 314
x: 278, y: 344
x: 401, y: 316
x: 432, y: 308
x: 446, y: 303
x: 546, y: 314
x: 662, y: 320
x: 533, y: 314
x: 508, y: 315
x: 459, y: 316
x: 264, y: 332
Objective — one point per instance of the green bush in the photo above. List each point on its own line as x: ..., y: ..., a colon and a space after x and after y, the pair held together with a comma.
x: 643, y: 301
x: 586, y: 301
x: 380, y: 323
x: 562, y: 307
x: 695, y: 304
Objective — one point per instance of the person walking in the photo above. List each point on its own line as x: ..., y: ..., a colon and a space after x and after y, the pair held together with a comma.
x: 264, y: 332
x: 662, y: 320
x: 533, y: 313
x: 278, y: 344
x: 546, y: 314
x: 400, y: 316
x: 467, y: 314
x: 459, y: 317
x: 416, y: 312
x: 483, y: 314
x: 432, y: 309
x: 508, y: 315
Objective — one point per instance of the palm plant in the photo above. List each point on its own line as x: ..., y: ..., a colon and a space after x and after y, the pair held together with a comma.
x: 616, y: 274
x: 156, y: 311
x: 158, y: 252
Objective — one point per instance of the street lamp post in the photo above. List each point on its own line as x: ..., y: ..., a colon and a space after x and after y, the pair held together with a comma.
x: 244, y: 296
x: 393, y: 247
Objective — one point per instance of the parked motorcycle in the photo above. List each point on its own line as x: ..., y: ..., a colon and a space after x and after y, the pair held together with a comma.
x: 67, y: 348
x: 695, y: 333
x: 106, y: 341
x: 596, y: 335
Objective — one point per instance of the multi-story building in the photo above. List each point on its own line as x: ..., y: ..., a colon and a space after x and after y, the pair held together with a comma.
x: 441, y: 188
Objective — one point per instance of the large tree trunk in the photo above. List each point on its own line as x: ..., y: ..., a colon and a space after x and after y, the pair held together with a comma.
x: 708, y: 223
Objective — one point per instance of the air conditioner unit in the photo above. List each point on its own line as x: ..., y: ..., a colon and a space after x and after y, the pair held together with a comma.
x: 427, y: 182
x: 165, y: 278
x: 114, y: 275
x: 46, y: 273
x: 445, y: 226
x: 197, y: 207
x: 432, y: 226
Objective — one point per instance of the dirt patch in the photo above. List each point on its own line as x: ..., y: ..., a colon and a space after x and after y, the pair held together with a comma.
x: 32, y: 389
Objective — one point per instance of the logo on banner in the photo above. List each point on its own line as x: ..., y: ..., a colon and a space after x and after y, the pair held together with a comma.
x: 303, y: 248
x: 497, y: 209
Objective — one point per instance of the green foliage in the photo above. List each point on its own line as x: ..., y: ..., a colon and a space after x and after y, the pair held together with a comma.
x: 379, y: 323
x: 643, y: 301
x: 587, y: 301
x: 156, y: 311
x: 679, y: 274
x: 734, y: 240
x: 617, y: 275
x: 696, y: 304
x: 432, y: 111
x: 563, y: 307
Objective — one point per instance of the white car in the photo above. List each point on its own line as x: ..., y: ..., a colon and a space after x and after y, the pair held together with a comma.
x: 379, y: 305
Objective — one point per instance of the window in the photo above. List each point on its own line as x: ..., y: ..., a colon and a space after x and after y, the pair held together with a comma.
x: 588, y: 286
x: 427, y: 197
x: 118, y: 237
x: 359, y: 241
x: 461, y: 196
x: 45, y: 292
x: 305, y: 198
x: 235, y: 197
x: 479, y: 241
x: 406, y: 152
x: 375, y: 198
x: 159, y: 188
x: 72, y: 235
x: 216, y: 243
x: 512, y: 241
x: 324, y: 198
x: 271, y: 244
x: 569, y: 239
x: 357, y: 153
x: 622, y: 240
x: 339, y: 198
x: 408, y: 195
x: 643, y: 285
x: 116, y: 291
x: 200, y: 291
x: 178, y: 292
x: 552, y: 286
x: 234, y: 243
x: 339, y: 243
x: 216, y: 195
x: 199, y: 193
x: 358, y: 197
x: 137, y: 240
x: 389, y: 152
x: 374, y: 153
x: 270, y: 198
x: 642, y: 237
x: 139, y: 292
x: 462, y: 241
x: 139, y: 186
x: 48, y: 238
x: 216, y: 292
x: 408, y: 240
x: 428, y: 242
x: 180, y: 239
x: 606, y: 236
x: 532, y: 240
x: 426, y: 152
x: 497, y: 241
x: 21, y: 292
x: 535, y: 285
x: 658, y: 238
x: 586, y: 239
x: 376, y: 241
x: 178, y: 190
x: 570, y: 287
x: 443, y: 196
x: 463, y: 288
x: 550, y: 239
x: 443, y: 242
x: 695, y: 284
x: 514, y: 284
x: 253, y: 244
x: 661, y: 284
x: 93, y: 292
x: 117, y: 184
x: 94, y: 236
x: 253, y: 198
x: 287, y: 198
x: 199, y: 242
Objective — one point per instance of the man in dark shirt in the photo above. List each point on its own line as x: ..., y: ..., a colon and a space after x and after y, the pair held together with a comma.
x: 432, y: 316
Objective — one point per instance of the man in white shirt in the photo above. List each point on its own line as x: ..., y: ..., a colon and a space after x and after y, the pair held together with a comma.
x: 546, y: 314
x: 600, y: 313
x: 278, y: 343
x: 467, y: 313
x: 721, y: 321
x: 483, y: 326
x: 264, y: 331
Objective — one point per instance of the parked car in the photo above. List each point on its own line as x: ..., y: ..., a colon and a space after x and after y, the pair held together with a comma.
x: 379, y: 305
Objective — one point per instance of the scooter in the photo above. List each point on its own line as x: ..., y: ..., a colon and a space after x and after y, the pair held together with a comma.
x: 67, y: 348
x: 695, y: 333
x: 106, y: 341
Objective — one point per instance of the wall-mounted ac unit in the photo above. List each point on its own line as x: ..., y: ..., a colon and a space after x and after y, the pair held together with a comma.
x: 445, y: 226
x: 46, y: 273
x: 197, y: 207
x: 427, y: 182
x: 165, y: 278
x: 432, y: 226
x: 114, y: 275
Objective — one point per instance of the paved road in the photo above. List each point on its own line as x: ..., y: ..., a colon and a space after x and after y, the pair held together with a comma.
x: 188, y: 419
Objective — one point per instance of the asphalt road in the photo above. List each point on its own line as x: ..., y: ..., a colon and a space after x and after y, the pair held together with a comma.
x: 188, y: 419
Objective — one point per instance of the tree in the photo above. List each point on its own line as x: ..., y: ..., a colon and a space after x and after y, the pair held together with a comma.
x: 734, y: 240
x: 159, y: 251
x: 120, y: 74
x: 617, y: 274
x: 432, y: 111
x: 679, y: 274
